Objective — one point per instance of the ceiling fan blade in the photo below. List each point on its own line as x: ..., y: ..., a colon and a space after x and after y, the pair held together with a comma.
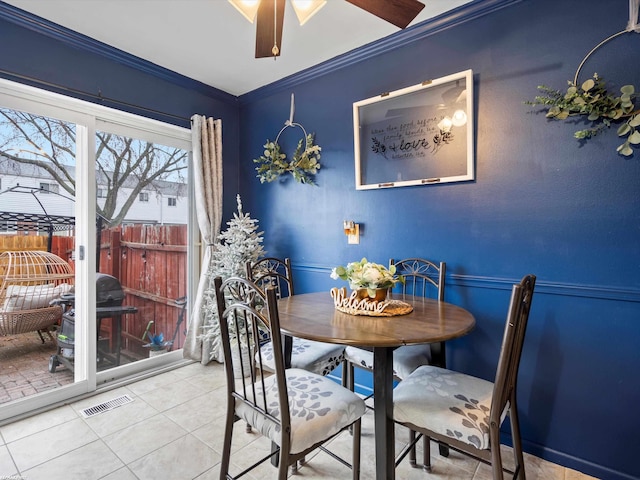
x: 398, y: 12
x: 265, y: 27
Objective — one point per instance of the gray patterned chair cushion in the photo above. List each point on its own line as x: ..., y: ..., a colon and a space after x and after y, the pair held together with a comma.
x: 319, y: 409
x: 316, y: 357
x: 445, y: 402
x: 405, y: 359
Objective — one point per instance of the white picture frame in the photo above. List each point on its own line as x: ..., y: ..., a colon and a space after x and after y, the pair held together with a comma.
x: 419, y: 135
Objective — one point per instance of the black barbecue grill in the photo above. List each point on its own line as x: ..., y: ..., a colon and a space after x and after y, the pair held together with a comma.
x: 109, y: 298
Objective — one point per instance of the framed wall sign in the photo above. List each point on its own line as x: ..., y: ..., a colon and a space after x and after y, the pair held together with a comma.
x: 419, y: 135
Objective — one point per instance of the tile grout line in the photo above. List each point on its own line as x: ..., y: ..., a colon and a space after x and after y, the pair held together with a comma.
x: 477, y: 474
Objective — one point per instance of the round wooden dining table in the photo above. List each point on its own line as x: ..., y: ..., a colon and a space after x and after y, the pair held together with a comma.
x: 313, y: 316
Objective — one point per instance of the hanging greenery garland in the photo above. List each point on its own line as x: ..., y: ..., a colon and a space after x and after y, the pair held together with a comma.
x: 592, y: 99
x: 303, y: 165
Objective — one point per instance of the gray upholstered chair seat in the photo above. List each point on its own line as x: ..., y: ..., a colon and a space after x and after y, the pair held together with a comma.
x: 422, y: 278
x: 297, y: 410
x: 316, y: 357
x: 446, y: 402
x: 466, y: 412
x: 405, y: 359
x: 319, y: 409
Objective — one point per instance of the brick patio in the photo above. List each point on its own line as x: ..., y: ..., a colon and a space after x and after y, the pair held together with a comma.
x: 25, y: 367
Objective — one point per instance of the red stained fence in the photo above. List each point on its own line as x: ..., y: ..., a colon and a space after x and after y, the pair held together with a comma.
x: 150, y: 261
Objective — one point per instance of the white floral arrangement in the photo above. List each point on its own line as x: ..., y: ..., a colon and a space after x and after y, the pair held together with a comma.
x: 369, y: 275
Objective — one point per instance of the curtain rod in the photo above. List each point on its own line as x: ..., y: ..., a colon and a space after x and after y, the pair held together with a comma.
x: 98, y: 96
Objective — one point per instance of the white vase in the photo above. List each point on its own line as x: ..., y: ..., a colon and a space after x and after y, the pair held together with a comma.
x: 153, y: 353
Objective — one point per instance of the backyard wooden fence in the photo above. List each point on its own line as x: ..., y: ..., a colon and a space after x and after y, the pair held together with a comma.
x: 60, y: 246
x: 150, y: 261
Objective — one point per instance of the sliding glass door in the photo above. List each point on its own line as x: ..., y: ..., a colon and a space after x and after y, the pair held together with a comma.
x: 105, y: 195
x: 142, y: 209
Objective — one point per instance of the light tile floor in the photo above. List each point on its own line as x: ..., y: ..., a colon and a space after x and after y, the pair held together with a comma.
x: 173, y: 430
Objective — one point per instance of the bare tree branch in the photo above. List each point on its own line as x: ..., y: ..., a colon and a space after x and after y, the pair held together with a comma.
x: 122, y: 164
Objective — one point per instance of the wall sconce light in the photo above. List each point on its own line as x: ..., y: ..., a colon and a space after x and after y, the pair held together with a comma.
x: 352, y: 231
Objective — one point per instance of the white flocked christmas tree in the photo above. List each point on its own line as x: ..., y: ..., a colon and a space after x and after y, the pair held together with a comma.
x: 234, y: 247
x: 240, y: 243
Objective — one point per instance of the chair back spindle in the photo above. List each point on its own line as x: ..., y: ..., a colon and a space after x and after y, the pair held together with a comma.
x: 244, y: 309
x: 272, y: 272
x: 423, y: 278
x: 263, y: 395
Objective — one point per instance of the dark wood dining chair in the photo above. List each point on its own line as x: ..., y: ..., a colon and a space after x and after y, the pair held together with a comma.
x: 297, y: 410
x: 318, y: 357
x: 466, y: 412
x: 422, y: 278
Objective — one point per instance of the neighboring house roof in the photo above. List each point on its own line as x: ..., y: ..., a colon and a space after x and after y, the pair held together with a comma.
x: 18, y: 169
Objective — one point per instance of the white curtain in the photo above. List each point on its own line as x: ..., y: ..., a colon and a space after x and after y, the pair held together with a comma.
x: 634, y: 6
x: 206, y: 139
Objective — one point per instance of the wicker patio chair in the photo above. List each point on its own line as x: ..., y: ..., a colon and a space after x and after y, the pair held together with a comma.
x: 29, y: 281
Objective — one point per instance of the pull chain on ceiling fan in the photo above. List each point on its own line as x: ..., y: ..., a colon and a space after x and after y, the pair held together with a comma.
x: 398, y: 12
x: 275, y: 50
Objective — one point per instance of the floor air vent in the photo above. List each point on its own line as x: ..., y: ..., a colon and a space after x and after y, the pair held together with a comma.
x: 106, y: 406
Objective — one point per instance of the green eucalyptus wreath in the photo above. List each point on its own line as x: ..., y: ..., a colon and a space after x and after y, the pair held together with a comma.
x: 303, y: 165
x: 592, y: 100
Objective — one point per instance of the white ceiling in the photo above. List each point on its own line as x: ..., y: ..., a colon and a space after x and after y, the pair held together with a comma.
x: 209, y: 41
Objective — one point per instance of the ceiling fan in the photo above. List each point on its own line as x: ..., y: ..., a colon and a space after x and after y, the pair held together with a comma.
x: 269, y: 17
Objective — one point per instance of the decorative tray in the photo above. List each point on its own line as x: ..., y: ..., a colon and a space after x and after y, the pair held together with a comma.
x: 353, y: 305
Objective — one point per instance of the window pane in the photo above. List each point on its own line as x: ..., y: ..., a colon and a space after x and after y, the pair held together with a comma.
x: 143, y: 245
x: 37, y: 205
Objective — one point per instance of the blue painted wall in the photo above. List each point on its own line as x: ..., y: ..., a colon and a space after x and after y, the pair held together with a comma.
x: 541, y: 202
